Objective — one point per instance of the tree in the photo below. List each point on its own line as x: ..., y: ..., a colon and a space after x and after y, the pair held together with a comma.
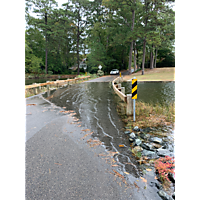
x: 32, y: 62
x: 43, y: 8
x: 79, y: 23
x: 125, y: 10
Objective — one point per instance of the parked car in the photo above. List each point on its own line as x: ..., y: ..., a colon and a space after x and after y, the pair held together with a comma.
x: 114, y: 71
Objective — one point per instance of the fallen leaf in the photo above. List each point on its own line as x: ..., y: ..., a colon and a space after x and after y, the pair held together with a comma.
x: 143, y: 179
x: 79, y: 125
x: 49, y: 171
x: 114, y: 165
x: 155, y: 177
x: 86, y: 130
x: 121, y: 145
x: 31, y: 104
x: 126, y: 172
x: 149, y: 170
x: 118, y: 174
x: 57, y: 164
x: 86, y: 135
x: 136, y: 186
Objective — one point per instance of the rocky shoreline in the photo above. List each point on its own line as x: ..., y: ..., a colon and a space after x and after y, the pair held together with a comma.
x: 147, y: 148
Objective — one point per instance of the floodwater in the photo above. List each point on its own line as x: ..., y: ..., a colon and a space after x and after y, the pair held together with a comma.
x: 95, y: 105
x: 41, y: 80
x: 151, y: 92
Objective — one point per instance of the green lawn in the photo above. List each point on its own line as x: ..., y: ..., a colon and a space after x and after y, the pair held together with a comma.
x: 157, y: 74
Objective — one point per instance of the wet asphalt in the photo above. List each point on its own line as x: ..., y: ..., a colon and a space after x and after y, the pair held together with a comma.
x: 60, y: 164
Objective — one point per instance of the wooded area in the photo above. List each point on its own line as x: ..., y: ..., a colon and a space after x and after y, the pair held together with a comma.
x: 116, y: 34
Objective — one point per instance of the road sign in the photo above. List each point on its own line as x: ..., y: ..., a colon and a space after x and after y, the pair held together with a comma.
x: 134, y: 88
x: 134, y: 95
x: 100, y: 67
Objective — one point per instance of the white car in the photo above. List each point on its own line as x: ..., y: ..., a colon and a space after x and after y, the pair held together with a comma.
x: 114, y: 71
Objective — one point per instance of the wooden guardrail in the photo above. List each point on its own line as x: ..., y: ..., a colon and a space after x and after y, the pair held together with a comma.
x: 120, y: 91
x: 55, y: 82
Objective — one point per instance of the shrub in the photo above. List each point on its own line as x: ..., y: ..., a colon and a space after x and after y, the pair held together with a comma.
x: 100, y: 73
x: 50, y: 72
x: 164, y: 166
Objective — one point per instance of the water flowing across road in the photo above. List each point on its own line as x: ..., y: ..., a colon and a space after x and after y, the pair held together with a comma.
x: 95, y: 105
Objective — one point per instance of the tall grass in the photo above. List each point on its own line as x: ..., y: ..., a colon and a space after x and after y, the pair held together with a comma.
x: 149, y: 114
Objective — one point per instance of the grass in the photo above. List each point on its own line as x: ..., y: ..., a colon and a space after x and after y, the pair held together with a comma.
x: 149, y: 115
x: 156, y: 74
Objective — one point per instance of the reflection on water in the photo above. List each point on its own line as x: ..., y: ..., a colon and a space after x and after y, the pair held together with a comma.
x: 153, y: 92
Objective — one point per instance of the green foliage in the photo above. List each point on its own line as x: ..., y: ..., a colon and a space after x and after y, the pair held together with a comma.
x: 100, y: 73
x: 104, y: 27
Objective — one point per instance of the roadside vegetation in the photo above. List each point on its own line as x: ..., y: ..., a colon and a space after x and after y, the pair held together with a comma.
x: 149, y: 115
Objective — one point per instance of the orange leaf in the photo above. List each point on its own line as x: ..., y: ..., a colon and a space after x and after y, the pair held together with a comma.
x: 57, y: 164
x: 149, y: 170
x: 86, y: 130
x: 143, y: 179
x: 155, y: 177
x: 114, y: 165
x: 126, y: 172
x: 121, y: 145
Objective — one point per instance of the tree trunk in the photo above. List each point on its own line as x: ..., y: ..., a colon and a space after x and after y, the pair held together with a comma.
x: 143, y: 60
x: 130, y: 57
x: 46, y: 50
x: 134, y: 56
x: 78, y: 54
x: 137, y: 60
x: 131, y: 45
x: 156, y: 57
x: 152, y: 58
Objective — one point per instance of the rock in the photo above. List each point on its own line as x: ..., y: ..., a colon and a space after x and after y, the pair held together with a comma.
x: 158, y: 185
x: 164, y: 195
x: 147, y: 146
x: 156, y: 139
x: 138, y: 142
x: 171, y: 177
x: 136, y: 128
x: 131, y: 140
x: 138, y: 149
x: 157, y: 146
x: 163, y: 152
x: 132, y: 135
x: 127, y: 132
x: 173, y: 195
x: 144, y: 136
x: 150, y: 154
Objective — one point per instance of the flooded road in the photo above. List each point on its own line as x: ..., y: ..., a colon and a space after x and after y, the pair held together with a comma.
x: 95, y: 106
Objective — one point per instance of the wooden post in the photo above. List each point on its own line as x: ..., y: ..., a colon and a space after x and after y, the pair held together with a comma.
x: 123, y: 90
x: 119, y: 86
x: 129, y: 108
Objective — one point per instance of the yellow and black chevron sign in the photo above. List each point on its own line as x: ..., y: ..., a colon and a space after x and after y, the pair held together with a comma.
x: 134, y: 88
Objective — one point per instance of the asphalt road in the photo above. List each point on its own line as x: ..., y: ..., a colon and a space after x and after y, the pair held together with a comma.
x: 61, y: 164
x: 108, y: 78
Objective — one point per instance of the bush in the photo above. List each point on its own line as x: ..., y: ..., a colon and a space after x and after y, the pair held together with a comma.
x: 100, y: 73
x: 50, y: 72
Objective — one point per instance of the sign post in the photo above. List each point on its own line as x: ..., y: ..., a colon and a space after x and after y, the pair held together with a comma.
x: 134, y: 95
